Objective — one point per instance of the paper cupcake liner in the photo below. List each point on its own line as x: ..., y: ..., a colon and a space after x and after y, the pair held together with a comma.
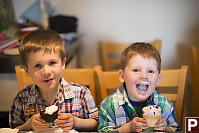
x: 151, y: 120
x: 49, y: 118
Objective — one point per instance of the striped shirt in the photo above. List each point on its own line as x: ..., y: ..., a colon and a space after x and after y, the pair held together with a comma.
x: 71, y: 98
x: 117, y: 110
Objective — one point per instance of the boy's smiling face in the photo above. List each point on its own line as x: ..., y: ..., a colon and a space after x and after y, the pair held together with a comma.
x: 141, y: 77
x: 45, y: 69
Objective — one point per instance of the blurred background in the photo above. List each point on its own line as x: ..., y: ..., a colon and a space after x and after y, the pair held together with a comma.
x: 174, y: 22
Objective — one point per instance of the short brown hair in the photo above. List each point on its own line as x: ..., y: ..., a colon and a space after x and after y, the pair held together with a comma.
x: 47, y: 40
x: 141, y: 48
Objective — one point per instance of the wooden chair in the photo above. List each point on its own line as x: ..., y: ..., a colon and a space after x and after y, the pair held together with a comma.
x: 170, y: 78
x: 194, y: 61
x: 110, y: 53
x: 81, y: 76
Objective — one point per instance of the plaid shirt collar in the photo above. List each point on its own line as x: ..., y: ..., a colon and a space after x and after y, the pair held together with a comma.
x: 65, y: 92
x: 123, y: 96
x: 66, y: 89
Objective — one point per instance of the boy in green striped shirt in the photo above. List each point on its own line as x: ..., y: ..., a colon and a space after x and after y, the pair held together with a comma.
x: 139, y: 74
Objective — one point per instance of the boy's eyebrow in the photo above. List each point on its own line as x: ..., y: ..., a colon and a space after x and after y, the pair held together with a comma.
x: 133, y: 65
x: 52, y: 59
x: 33, y: 64
x: 153, y: 67
x: 40, y: 62
x: 136, y: 66
x: 37, y: 62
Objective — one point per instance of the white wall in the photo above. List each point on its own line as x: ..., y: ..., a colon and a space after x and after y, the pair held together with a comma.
x: 172, y: 21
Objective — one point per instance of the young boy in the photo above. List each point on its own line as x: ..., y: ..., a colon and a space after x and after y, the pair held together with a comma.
x: 43, y: 56
x: 140, y: 74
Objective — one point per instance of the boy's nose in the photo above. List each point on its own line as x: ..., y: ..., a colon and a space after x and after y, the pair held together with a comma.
x: 46, y: 70
x: 143, y: 75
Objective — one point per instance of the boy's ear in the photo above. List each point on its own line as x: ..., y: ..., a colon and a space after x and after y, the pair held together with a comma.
x: 63, y: 63
x: 121, y: 75
x: 25, y: 69
x: 159, y: 78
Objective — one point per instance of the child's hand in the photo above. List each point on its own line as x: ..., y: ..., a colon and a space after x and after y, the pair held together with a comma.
x: 161, y: 125
x: 138, y: 124
x: 65, y: 121
x: 37, y: 123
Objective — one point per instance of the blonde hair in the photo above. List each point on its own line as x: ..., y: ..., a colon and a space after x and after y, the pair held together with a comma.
x: 143, y: 49
x: 46, y: 40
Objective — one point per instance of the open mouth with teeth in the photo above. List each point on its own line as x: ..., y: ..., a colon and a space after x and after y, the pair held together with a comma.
x: 48, y: 80
x: 142, y: 88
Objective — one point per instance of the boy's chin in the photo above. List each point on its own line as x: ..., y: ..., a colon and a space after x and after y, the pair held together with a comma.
x: 142, y: 98
x: 48, y: 88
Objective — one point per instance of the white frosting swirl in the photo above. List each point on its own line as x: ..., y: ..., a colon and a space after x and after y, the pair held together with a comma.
x: 51, y: 109
x: 153, y: 110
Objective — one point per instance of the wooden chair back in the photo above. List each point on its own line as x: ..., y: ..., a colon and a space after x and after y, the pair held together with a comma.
x: 22, y: 78
x: 170, y: 78
x: 81, y: 76
x: 110, y: 53
x: 194, y: 61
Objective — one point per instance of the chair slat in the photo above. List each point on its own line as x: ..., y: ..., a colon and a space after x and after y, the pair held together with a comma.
x: 169, y: 79
x: 171, y: 97
x: 115, y: 48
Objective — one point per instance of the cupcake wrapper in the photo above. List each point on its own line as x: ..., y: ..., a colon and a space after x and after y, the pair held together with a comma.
x: 151, y: 120
x: 49, y: 118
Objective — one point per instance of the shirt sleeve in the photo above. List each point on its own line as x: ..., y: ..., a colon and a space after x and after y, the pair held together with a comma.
x: 169, y: 114
x: 106, y: 117
x: 172, y: 122
x: 90, y: 105
x: 16, y: 113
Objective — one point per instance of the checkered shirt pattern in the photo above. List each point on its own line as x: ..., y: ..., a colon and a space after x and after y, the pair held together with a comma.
x: 117, y: 110
x: 71, y: 98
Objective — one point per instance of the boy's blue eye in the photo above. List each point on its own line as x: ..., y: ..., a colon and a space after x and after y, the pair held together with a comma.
x: 151, y: 71
x: 38, y: 66
x: 135, y: 70
x: 52, y: 63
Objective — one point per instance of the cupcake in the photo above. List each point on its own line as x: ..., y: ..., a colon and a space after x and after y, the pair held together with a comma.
x: 49, y: 114
x: 152, y: 114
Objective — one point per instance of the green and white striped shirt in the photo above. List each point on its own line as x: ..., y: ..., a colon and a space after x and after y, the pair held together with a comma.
x: 117, y: 110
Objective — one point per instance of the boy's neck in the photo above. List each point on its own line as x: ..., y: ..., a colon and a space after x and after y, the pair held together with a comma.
x: 50, y: 96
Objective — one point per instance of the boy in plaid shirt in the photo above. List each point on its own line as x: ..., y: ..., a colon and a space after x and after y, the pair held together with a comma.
x: 43, y: 56
x: 140, y: 74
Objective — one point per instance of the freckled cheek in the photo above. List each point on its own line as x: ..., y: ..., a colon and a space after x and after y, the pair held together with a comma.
x: 153, y: 80
x: 36, y: 75
x: 130, y: 78
x: 57, y: 73
x: 131, y: 88
x: 152, y: 85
